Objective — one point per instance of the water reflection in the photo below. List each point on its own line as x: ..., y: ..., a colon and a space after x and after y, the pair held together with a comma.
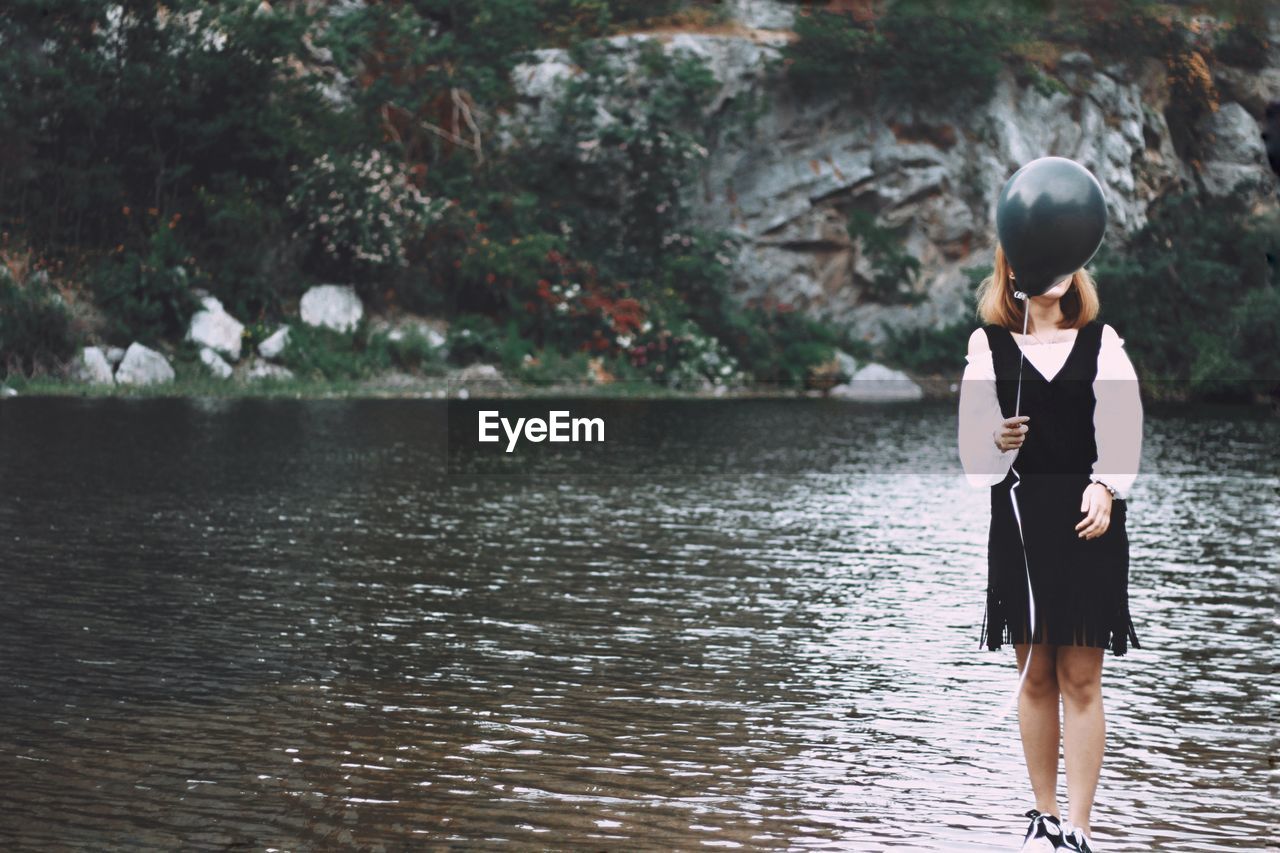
x: 744, y: 623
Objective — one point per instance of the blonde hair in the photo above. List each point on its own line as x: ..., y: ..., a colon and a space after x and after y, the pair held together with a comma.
x: 996, y: 302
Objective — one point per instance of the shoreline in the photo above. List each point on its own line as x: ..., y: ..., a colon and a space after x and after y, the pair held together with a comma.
x: 400, y: 386
x: 391, y: 386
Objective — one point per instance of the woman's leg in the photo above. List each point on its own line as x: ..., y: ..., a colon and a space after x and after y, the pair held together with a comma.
x: 1038, y: 722
x: 1084, y: 729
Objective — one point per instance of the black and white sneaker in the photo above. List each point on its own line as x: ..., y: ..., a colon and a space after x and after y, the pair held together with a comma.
x: 1075, y: 841
x: 1044, y: 835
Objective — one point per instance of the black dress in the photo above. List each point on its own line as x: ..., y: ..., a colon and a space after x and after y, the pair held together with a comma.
x: 1081, y: 586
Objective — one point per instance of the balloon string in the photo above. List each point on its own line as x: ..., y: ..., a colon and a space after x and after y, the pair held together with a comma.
x: 1017, y: 479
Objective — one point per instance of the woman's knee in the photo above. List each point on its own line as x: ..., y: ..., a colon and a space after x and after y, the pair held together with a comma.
x: 1042, y: 678
x: 1079, y: 673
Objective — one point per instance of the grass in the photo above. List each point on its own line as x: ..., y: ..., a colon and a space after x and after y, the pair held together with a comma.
x: 387, y: 386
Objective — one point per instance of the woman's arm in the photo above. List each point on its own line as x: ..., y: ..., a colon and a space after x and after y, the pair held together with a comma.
x: 984, y: 464
x: 1117, y: 416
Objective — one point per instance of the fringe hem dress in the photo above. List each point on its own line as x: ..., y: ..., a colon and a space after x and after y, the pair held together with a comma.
x: 1081, y: 586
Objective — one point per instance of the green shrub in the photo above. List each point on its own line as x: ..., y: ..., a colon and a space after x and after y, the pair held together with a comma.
x: 360, y: 212
x: 35, y: 326
x: 140, y: 105
x: 148, y: 297
x: 927, y: 54
x: 1244, y: 44
x: 1255, y: 347
x: 318, y: 352
x: 634, y: 170
x: 894, y: 270
x: 240, y: 233
x: 833, y: 52
x: 412, y: 352
x: 550, y: 366
x: 474, y: 338
x: 778, y: 344
x: 1199, y: 267
x: 1127, y: 30
x: 682, y: 356
x: 937, y: 55
x: 1044, y: 84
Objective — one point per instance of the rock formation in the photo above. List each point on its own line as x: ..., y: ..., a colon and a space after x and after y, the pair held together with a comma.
x: 788, y: 192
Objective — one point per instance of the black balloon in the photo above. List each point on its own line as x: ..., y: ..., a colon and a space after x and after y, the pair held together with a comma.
x: 1050, y: 219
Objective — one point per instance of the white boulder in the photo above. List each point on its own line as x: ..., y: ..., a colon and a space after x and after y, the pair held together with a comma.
x: 479, y: 373
x: 214, y: 328
x: 1236, y: 159
x: 273, y: 347
x: 142, y: 365
x: 115, y: 355
x: 92, y: 366
x: 214, y: 362
x: 335, y: 306
x: 848, y: 364
x: 266, y: 370
x: 875, y: 383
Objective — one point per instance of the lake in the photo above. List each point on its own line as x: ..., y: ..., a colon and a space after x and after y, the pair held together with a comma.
x: 734, y: 623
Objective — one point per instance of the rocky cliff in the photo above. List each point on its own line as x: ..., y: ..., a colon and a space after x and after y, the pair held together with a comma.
x: 788, y: 191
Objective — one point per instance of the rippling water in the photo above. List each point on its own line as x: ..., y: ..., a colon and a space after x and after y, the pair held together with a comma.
x: 282, y: 624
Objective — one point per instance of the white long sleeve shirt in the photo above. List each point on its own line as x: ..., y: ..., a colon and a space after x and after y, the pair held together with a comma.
x: 1117, y: 416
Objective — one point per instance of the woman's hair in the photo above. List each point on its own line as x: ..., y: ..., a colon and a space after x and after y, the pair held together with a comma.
x: 996, y: 303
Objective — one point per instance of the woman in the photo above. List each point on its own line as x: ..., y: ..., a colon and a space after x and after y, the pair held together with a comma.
x: 1073, y: 451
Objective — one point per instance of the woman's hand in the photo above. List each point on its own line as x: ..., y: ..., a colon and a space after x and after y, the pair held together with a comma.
x: 1010, y: 434
x: 1096, y: 503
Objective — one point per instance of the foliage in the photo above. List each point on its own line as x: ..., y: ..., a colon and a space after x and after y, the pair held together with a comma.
x: 241, y: 244
x: 1182, y: 294
x: 320, y: 353
x: 893, y: 268
x: 1251, y: 339
x: 935, y: 55
x: 925, y: 53
x: 147, y: 295
x: 942, y: 53
x: 35, y: 324
x: 1044, y: 84
x: 833, y: 52
x: 429, y: 74
x: 654, y: 300
x: 161, y: 145
x: 631, y: 133
x: 683, y: 356
x: 550, y: 366
x: 567, y: 22
x: 1130, y: 31
x: 411, y: 351
x: 1244, y: 44
x: 1126, y: 30
x: 140, y: 106
x: 361, y: 212
x: 474, y: 338
x: 780, y: 343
